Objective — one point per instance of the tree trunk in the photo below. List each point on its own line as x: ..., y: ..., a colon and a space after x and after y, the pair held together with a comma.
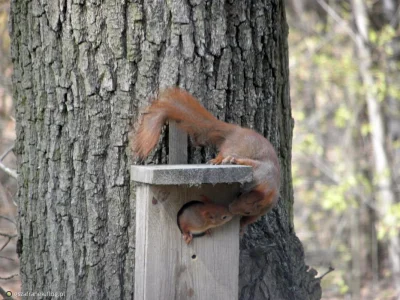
x: 385, y: 195
x: 82, y: 70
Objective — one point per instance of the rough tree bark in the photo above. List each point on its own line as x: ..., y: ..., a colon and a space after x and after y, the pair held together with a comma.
x: 82, y: 70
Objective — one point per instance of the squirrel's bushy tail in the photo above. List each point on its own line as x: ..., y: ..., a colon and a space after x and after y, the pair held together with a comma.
x: 180, y: 106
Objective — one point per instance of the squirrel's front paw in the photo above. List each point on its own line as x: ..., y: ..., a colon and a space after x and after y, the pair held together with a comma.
x: 229, y: 160
x: 187, y: 237
x: 214, y: 161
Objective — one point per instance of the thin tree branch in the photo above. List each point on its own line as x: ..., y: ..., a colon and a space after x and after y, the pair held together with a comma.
x: 395, y: 17
x: 331, y: 269
x: 337, y: 18
x: 12, y: 198
x: 9, y: 171
x: 9, y: 277
x: 11, y: 236
x: 6, y: 153
x: 5, y: 244
x: 8, y: 219
x: 5, y: 257
x: 311, y: 53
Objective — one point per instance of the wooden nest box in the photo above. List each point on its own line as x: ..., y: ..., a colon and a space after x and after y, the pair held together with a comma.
x: 165, y: 267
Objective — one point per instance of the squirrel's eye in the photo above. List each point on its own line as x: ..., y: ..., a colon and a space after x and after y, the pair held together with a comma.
x: 224, y: 217
x: 247, y: 212
x: 211, y: 217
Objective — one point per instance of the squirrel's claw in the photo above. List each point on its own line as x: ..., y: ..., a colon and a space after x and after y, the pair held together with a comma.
x: 214, y: 161
x: 229, y: 160
x: 187, y: 237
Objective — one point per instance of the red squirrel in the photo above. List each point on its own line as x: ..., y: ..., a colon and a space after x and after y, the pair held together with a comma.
x: 236, y: 145
x: 196, y: 218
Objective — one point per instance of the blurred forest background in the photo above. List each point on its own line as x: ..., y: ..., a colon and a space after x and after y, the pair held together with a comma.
x: 345, y: 91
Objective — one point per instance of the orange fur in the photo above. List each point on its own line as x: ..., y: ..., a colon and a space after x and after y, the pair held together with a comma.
x: 199, y: 217
x: 178, y: 105
x: 236, y: 145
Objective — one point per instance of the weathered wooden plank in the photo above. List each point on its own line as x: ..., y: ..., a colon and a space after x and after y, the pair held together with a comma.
x: 177, y: 145
x: 191, y: 174
x: 167, y: 268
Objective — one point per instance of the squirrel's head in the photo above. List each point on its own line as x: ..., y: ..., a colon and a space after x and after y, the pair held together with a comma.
x: 216, y: 215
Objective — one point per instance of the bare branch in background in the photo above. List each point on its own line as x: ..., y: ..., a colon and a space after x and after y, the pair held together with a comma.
x: 331, y: 269
x: 9, y: 277
x: 337, y: 18
x: 396, y: 17
x: 325, y: 41
x: 8, y: 235
x: 5, y: 244
x: 12, y: 197
x: 9, y: 171
x: 323, y: 167
x: 8, y: 219
x: 7, y: 258
x: 6, y: 152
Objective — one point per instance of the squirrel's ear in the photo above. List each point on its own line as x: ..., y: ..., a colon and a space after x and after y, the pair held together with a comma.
x: 205, y: 199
